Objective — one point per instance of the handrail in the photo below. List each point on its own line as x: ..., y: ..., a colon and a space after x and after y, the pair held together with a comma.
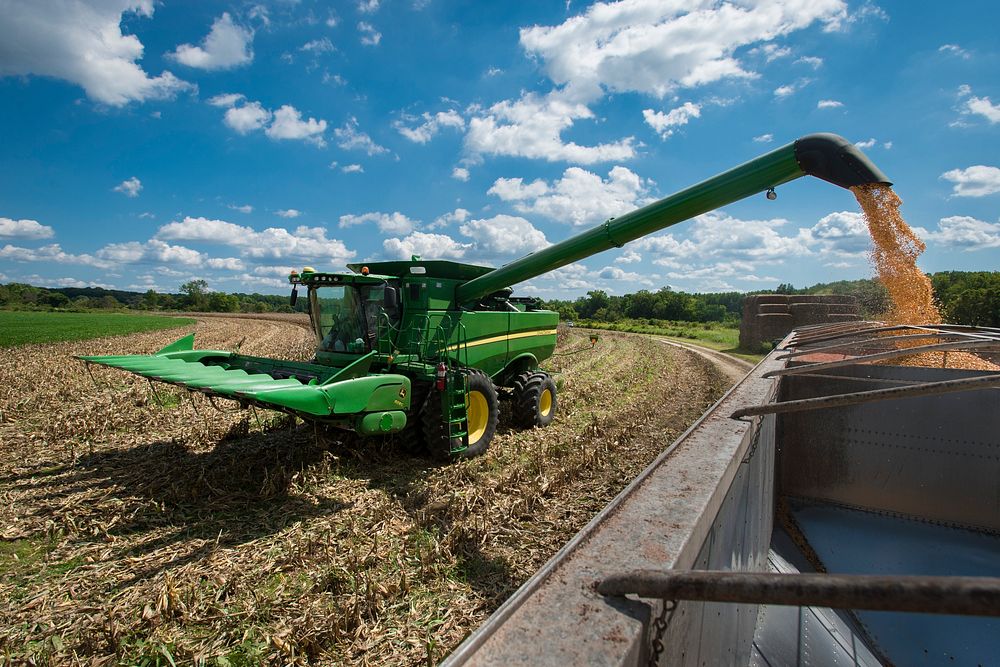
x: 858, y: 397
x: 967, y: 596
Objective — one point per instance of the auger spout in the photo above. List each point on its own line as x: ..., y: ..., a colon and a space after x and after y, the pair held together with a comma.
x: 826, y: 156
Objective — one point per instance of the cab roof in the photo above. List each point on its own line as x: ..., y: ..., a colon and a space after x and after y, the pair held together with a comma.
x: 432, y: 269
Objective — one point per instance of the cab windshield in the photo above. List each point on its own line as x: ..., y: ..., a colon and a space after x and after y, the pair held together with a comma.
x: 347, y: 316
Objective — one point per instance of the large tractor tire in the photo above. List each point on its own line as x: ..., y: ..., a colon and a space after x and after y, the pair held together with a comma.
x: 534, y: 399
x: 412, y: 439
x: 482, y: 415
x: 483, y: 412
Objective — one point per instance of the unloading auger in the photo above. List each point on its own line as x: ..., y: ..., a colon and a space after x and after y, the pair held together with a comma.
x: 419, y: 348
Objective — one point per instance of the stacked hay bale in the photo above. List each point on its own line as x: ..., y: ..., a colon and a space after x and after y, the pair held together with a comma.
x: 769, y: 317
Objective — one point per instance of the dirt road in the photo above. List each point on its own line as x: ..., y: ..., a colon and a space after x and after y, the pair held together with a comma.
x: 733, y: 368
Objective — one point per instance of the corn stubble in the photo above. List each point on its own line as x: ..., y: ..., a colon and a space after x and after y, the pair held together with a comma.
x: 161, y: 526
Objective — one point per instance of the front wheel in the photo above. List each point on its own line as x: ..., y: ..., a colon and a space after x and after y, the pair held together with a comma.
x: 534, y: 399
x: 482, y: 414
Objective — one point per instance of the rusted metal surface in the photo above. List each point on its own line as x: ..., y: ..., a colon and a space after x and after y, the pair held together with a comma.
x: 968, y: 596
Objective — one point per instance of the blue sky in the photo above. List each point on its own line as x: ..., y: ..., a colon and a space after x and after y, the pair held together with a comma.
x: 148, y: 143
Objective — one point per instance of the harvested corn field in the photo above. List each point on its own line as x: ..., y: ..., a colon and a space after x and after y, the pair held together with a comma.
x: 141, y: 524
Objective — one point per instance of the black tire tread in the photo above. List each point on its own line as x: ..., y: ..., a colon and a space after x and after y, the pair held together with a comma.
x: 527, y: 391
x: 492, y: 400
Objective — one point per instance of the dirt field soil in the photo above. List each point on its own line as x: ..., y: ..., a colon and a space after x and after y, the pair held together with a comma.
x: 137, y: 525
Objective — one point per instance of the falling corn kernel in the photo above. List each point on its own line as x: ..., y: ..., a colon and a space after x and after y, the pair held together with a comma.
x: 894, y: 256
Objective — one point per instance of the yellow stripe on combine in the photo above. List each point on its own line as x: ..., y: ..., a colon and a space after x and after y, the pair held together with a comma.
x: 497, y: 339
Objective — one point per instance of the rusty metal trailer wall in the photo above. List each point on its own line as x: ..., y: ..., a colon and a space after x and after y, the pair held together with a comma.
x: 707, y: 633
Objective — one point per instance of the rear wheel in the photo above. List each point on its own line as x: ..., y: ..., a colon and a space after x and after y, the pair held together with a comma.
x: 534, y: 399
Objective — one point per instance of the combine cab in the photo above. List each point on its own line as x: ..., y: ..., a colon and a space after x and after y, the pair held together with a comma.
x: 419, y: 348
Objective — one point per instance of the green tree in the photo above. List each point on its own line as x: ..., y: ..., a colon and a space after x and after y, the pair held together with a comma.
x: 976, y: 306
x: 220, y: 302
x: 56, y: 300
x: 150, y: 300
x: 196, y: 294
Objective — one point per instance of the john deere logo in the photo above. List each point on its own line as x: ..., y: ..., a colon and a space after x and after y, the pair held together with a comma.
x: 402, y: 392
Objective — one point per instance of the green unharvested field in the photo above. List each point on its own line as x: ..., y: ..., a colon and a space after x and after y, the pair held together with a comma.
x: 22, y: 327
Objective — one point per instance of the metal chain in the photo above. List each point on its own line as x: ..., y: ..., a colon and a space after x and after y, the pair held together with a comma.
x: 753, y: 443
x: 660, y: 626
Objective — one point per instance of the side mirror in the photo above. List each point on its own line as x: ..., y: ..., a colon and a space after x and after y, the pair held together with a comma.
x: 391, y: 298
x: 294, y: 297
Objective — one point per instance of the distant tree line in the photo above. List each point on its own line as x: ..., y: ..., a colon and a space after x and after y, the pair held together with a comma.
x: 663, y: 304
x: 965, y: 297
x: 192, y: 296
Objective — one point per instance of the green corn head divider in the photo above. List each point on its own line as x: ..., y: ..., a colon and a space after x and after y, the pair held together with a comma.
x: 419, y: 347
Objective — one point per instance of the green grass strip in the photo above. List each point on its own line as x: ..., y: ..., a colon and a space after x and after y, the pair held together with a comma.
x: 26, y: 327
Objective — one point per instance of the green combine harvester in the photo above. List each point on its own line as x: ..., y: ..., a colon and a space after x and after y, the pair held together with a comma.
x: 419, y: 348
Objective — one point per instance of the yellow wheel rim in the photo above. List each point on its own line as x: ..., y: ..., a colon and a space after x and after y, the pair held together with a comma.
x: 478, y: 415
x: 545, y: 403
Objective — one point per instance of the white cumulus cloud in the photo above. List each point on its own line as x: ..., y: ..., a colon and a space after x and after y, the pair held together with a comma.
x: 349, y: 137
x: 432, y: 124
x: 307, y: 243
x: 656, y: 47
x: 664, y: 123
x: 82, y: 42
x: 976, y: 181
x: 154, y: 250
x: 289, y: 213
x: 227, y: 45
x: 387, y: 223
x: 426, y: 246
x: 580, y: 197
x: 130, y: 187
x: 982, y: 106
x: 52, y: 254
x: 288, y: 124
x: 504, y: 235
x: 532, y: 127
x: 460, y: 174
x: 458, y: 215
x: 965, y: 232
x: 369, y: 35
x: 829, y: 104
x: 225, y: 100
x: 25, y: 229
x: 247, y: 118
